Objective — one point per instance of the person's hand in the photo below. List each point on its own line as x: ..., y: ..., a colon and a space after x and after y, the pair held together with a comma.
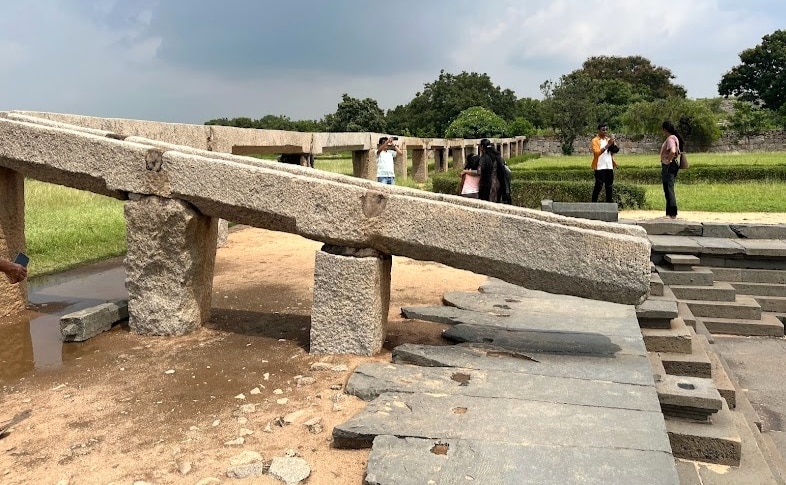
x: 16, y: 273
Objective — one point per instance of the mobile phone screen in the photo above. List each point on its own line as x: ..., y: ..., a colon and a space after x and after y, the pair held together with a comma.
x: 22, y: 259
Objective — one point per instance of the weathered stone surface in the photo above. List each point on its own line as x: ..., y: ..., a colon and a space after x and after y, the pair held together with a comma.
x: 719, y: 291
x: 682, y: 259
x: 671, y: 228
x: 759, y: 231
x: 763, y: 247
x: 362, y: 213
x: 223, y: 233
x: 744, y: 307
x: 699, y: 276
x: 351, y: 297
x: 474, y: 418
x: 169, y: 266
x: 690, y: 393
x: 674, y: 339
x: 411, y: 461
x: 719, y: 246
x: 767, y: 326
x: 600, y: 211
x: 13, y: 298
x: 657, y: 309
x: 372, y: 379
x: 84, y: 324
x: 717, y: 443
x: 290, y: 470
x: 714, y: 229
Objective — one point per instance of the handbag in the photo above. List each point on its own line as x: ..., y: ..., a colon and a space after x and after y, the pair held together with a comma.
x: 683, y: 161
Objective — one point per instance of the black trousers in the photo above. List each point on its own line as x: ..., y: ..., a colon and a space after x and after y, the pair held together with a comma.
x: 668, y: 173
x: 603, y: 177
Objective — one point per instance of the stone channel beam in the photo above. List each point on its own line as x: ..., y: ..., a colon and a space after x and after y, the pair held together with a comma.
x: 598, y: 261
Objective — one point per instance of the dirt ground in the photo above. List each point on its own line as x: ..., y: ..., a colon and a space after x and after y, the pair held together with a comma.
x: 123, y: 408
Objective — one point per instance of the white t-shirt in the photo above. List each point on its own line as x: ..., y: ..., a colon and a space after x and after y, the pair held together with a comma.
x: 604, y: 160
x: 385, y: 165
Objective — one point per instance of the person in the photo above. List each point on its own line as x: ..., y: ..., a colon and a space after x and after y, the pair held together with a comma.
x: 603, y: 163
x: 470, y: 177
x: 670, y: 151
x: 494, y: 183
x: 15, y: 272
x: 386, y: 155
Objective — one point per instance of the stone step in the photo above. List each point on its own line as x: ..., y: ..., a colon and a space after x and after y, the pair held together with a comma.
x: 656, y: 312
x: 775, y: 304
x: 744, y: 307
x: 675, y: 339
x: 759, y: 289
x: 743, y: 275
x: 688, y: 397
x: 699, y: 276
x: 682, y: 262
x: 718, y: 443
x: 719, y: 291
x: 767, y: 326
x: 695, y: 364
x: 686, y: 315
x: 656, y: 285
x: 719, y: 377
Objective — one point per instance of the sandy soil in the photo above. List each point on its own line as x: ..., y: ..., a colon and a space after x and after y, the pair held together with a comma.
x: 123, y: 408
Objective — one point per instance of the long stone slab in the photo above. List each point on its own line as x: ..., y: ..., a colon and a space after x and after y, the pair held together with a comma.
x: 563, y: 343
x: 767, y: 326
x: 626, y: 369
x: 345, y: 211
x: 760, y: 289
x: 85, y: 324
x: 507, y: 420
x: 372, y: 379
x: 414, y: 461
x: 743, y: 307
x: 719, y: 291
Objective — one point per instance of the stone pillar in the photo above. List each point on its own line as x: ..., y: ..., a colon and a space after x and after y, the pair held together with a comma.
x: 13, y: 298
x: 459, y: 157
x: 364, y: 164
x: 351, y: 301
x: 169, y: 265
x: 419, y: 165
x: 400, y: 164
x: 223, y: 233
x: 514, y: 149
x: 506, y: 151
x: 443, y: 154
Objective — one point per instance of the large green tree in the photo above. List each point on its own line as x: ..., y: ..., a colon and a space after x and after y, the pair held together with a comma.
x: 761, y: 77
x: 356, y: 115
x: 477, y: 122
x: 694, y: 119
x: 569, y: 106
x: 434, y: 109
x: 646, y: 81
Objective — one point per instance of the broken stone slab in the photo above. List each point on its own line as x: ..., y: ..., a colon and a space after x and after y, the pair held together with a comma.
x: 85, y: 324
x: 538, y: 310
x: 372, y: 379
x: 415, y: 461
x: 689, y: 394
x: 759, y: 231
x: 506, y: 420
x: 570, y: 343
x: 626, y: 369
x: 682, y: 262
x: 671, y: 228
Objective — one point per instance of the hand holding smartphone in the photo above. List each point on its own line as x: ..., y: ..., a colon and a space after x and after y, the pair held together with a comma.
x: 22, y: 259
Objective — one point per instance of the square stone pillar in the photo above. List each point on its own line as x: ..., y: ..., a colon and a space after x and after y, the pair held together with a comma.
x: 419, y: 165
x: 441, y: 160
x: 364, y: 164
x: 514, y: 149
x: 459, y: 157
x: 169, y: 265
x: 506, y: 151
x: 223, y: 233
x: 351, y: 301
x: 13, y: 298
x: 400, y: 164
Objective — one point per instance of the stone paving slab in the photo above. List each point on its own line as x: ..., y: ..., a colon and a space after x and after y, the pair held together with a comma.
x: 547, y: 342
x: 759, y: 289
x: 767, y: 326
x: 718, y: 442
x: 372, y: 379
x: 507, y: 420
x: 413, y: 461
x: 763, y: 247
x: 744, y: 307
x: 665, y: 227
x: 626, y: 369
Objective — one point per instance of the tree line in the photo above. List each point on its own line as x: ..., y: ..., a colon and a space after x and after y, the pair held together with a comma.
x: 630, y: 94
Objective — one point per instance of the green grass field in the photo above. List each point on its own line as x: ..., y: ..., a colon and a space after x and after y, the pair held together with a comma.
x: 67, y: 227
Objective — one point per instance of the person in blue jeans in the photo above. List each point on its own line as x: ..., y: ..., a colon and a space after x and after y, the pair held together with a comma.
x: 387, y: 150
x: 670, y: 151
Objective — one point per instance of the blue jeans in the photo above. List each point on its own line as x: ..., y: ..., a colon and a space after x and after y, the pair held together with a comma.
x: 387, y: 180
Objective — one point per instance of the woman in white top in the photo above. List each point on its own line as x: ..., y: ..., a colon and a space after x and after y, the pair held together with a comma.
x: 470, y: 177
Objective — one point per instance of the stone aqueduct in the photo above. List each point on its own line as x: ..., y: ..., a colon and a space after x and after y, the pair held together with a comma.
x: 179, y: 180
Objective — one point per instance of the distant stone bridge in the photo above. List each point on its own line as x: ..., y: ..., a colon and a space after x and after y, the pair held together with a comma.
x: 178, y: 180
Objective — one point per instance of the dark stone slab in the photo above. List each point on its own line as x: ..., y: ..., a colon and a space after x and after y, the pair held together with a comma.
x: 652, y: 309
x: 690, y: 394
x: 506, y: 420
x: 563, y: 343
x: 760, y: 231
x: 667, y: 227
x: 717, y: 229
x: 414, y: 461
x: 700, y: 276
x: 372, y: 379
x: 720, y: 246
x: 763, y: 247
x: 85, y: 324
x: 627, y: 369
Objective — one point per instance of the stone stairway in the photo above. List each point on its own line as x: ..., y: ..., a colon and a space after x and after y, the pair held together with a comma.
x: 713, y: 285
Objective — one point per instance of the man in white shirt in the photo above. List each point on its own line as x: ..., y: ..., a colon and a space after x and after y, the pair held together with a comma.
x: 387, y: 150
x: 603, y: 163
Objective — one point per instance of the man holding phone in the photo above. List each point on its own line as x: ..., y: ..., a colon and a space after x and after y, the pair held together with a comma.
x: 14, y: 271
x: 387, y: 150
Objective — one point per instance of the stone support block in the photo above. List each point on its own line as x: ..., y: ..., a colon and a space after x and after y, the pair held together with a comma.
x: 169, y: 266
x: 400, y: 165
x: 351, y: 300
x: 419, y: 165
x: 84, y: 324
x: 459, y: 157
x: 364, y: 164
x: 223, y: 233
x: 13, y: 298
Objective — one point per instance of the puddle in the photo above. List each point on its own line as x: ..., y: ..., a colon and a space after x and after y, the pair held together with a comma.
x: 31, y: 340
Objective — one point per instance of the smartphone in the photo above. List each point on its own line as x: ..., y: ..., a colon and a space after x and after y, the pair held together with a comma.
x: 22, y: 259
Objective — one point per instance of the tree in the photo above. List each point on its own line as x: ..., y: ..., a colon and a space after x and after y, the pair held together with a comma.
x: 529, y: 109
x: 521, y: 127
x: 477, y: 122
x: 761, y: 77
x: 356, y: 115
x: 431, y: 111
x: 694, y: 119
x: 749, y: 120
x: 569, y: 107
x: 646, y: 81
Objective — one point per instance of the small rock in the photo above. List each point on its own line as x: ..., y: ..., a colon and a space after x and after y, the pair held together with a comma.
x: 321, y: 366
x: 245, y: 432
x: 170, y: 371
x: 282, y: 401
x: 236, y: 442
x: 339, y: 368
x: 314, y: 425
x: 337, y: 407
x: 193, y: 428
x: 184, y: 468
x: 255, y: 391
x: 278, y: 392
x: 248, y: 408
x: 291, y: 453
x: 268, y: 429
x: 242, y: 421
x: 246, y: 458
x: 240, y: 396
x: 306, y: 381
x: 336, y: 387
x: 293, y: 417
x: 247, y: 471
x: 266, y: 376
x: 290, y: 470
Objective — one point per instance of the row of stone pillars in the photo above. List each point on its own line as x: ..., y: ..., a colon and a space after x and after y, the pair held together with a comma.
x: 364, y: 163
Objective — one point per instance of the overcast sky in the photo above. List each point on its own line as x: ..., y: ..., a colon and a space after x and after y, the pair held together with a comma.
x: 194, y: 60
